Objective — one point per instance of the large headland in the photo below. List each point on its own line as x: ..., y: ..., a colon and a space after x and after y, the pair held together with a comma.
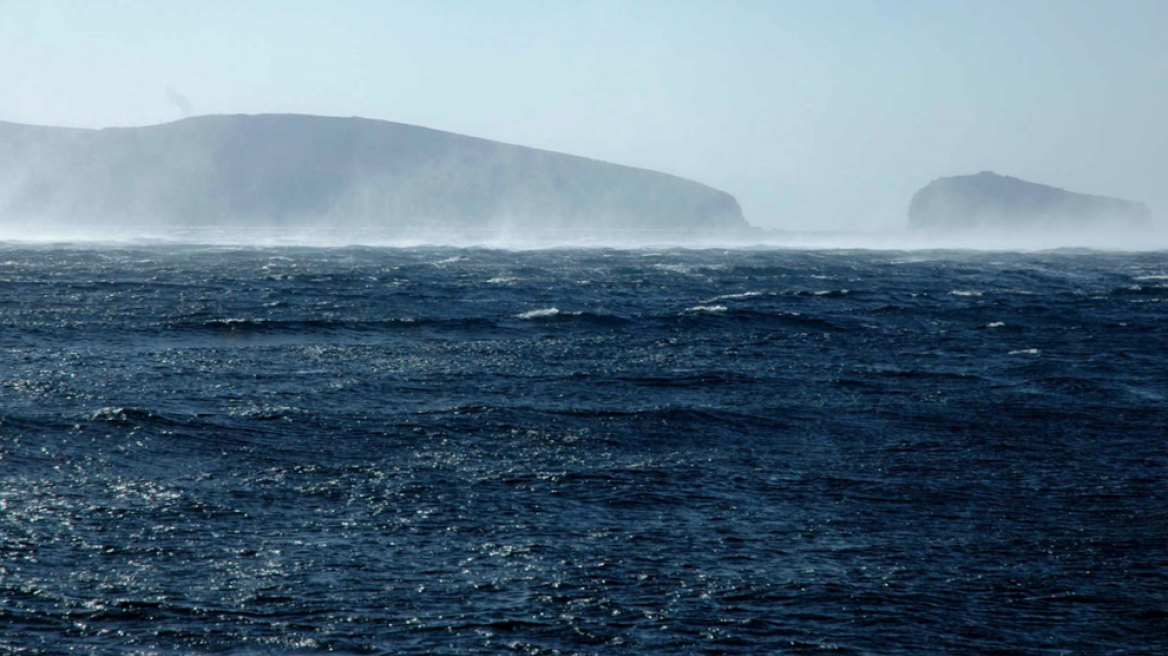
x: 324, y: 175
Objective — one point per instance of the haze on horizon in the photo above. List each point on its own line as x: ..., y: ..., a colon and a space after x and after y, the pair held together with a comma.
x: 815, y: 115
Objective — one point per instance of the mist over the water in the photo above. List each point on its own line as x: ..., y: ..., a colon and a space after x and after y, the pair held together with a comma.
x: 320, y: 181
x: 312, y: 180
x: 510, y: 239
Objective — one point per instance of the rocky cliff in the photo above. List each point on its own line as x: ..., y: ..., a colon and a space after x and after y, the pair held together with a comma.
x: 308, y: 171
x: 990, y: 201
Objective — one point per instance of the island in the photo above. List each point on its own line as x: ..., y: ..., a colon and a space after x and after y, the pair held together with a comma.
x: 999, y: 202
x: 286, y: 170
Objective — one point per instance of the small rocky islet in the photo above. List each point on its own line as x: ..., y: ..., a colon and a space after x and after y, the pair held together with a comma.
x: 988, y: 201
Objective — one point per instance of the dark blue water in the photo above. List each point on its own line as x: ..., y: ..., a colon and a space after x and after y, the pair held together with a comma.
x: 582, y: 452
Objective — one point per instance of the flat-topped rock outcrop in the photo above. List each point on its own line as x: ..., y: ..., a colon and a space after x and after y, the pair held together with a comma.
x: 318, y: 172
x: 990, y: 201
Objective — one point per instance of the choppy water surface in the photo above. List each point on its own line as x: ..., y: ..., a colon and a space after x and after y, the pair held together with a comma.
x: 674, y: 452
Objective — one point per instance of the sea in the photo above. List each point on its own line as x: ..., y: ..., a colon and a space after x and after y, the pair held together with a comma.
x: 421, y: 450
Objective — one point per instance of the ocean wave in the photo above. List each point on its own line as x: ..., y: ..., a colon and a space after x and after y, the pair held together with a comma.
x: 735, y: 297
x: 706, y: 309
x: 242, y: 325
x: 542, y: 313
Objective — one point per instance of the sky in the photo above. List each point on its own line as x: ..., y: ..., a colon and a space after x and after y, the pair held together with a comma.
x: 815, y: 114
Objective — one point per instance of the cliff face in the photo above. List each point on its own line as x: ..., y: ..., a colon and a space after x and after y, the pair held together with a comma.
x: 988, y: 200
x: 297, y: 171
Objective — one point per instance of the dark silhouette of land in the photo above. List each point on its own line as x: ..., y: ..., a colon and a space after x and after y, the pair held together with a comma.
x: 308, y: 171
x: 987, y: 200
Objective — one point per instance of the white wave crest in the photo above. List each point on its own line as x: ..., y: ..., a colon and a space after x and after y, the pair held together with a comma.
x: 538, y: 314
x: 711, y: 309
x: 736, y: 297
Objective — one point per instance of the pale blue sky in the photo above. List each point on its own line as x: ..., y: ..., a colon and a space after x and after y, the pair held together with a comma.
x: 816, y: 114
